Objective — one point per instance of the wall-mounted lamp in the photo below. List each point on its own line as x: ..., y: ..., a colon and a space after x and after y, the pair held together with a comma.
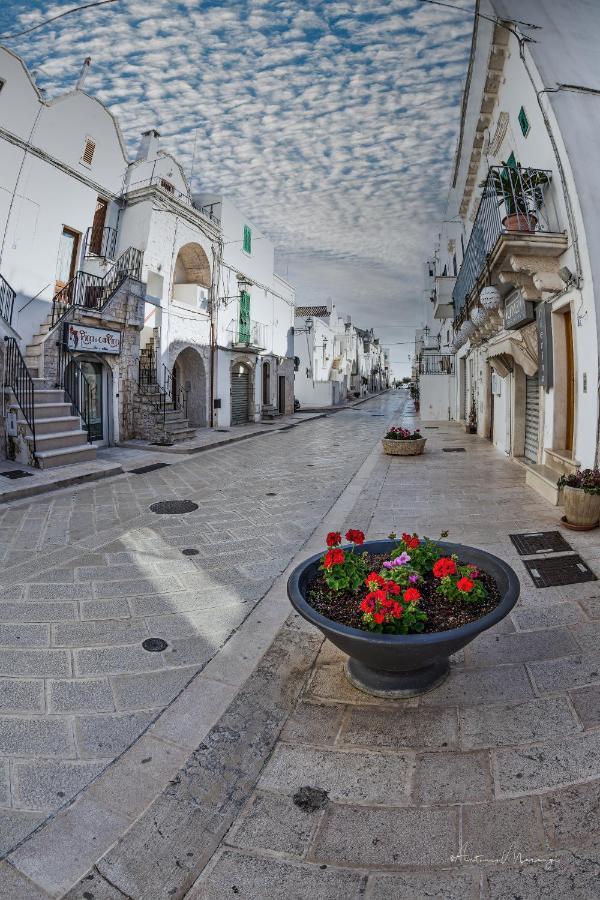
x: 309, y: 326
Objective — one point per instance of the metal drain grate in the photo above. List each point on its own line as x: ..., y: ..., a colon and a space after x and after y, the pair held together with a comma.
x: 558, y: 570
x: 149, y: 468
x: 190, y: 551
x: 16, y: 473
x: 173, y: 507
x: 453, y: 449
x: 540, y: 542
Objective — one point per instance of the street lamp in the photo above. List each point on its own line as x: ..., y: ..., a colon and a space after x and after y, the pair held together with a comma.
x: 309, y: 321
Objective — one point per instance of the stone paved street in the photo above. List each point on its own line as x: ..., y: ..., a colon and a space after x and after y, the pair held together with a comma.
x: 487, y: 787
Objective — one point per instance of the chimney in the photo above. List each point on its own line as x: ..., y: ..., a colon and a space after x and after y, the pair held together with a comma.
x: 83, y: 74
x: 148, y: 145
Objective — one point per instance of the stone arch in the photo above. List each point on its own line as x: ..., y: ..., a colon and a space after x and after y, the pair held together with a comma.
x: 188, y: 370
x: 192, y: 266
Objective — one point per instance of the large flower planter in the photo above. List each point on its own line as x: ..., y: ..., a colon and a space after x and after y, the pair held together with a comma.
x: 403, y: 448
x: 394, y: 665
x: 581, y: 509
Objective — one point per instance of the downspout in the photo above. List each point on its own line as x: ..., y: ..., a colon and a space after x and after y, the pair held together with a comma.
x: 214, y: 311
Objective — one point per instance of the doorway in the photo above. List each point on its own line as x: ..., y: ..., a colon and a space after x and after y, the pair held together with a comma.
x: 266, y: 399
x: 97, y: 234
x: 240, y: 395
x: 281, y: 395
x: 532, y: 417
x: 569, y: 383
x: 67, y: 258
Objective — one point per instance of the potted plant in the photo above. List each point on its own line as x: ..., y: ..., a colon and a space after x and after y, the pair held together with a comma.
x: 400, y: 609
x: 471, y: 426
x: 519, y: 189
x: 403, y: 442
x: 581, y: 493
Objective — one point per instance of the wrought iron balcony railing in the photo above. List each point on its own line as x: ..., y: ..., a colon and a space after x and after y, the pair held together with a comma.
x: 515, y: 200
x: 101, y: 242
x: 7, y: 300
x: 436, y: 364
x: 93, y: 291
x: 249, y: 334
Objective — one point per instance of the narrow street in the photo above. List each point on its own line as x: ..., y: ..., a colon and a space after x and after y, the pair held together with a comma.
x: 485, y: 787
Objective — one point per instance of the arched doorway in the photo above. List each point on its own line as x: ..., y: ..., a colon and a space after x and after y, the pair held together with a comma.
x: 240, y: 394
x: 192, y: 277
x: 266, y: 384
x: 189, y: 376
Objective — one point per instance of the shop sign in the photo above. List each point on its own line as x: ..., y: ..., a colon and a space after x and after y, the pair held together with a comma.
x: 545, y: 361
x: 518, y: 312
x: 95, y: 340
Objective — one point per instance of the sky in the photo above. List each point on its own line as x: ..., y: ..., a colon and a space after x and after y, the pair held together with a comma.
x: 332, y: 124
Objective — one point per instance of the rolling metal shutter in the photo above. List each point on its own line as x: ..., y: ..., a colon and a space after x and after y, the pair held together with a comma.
x: 532, y: 417
x: 240, y: 391
x: 465, y: 391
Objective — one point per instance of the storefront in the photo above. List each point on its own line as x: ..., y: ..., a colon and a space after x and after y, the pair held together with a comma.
x: 88, y: 377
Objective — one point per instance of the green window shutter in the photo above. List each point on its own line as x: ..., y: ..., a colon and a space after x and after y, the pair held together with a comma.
x: 244, y: 329
x: 524, y: 122
x: 511, y: 162
x: 247, y: 239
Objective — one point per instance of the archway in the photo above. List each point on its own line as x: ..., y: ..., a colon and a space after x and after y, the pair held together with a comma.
x: 192, y: 277
x: 189, y: 375
x: 266, y: 384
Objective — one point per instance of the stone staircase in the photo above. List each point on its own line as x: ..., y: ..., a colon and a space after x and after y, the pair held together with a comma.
x: 34, y: 352
x: 157, y: 417
x: 270, y: 413
x: 542, y: 478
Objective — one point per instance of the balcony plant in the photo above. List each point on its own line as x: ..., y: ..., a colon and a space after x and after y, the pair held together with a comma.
x: 400, y: 609
x: 519, y: 189
x: 403, y: 442
x: 581, y: 493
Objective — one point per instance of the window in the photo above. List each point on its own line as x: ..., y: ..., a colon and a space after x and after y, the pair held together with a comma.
x: 511, y: 162
x: 244, y: 328
x: 167, y: 186
x: 524, y: 122
x: 88, y: 151
x: 247, y: 239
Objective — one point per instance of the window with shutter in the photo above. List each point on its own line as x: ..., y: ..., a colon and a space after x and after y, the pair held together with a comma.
x: 88, y: 151
x: 524, y: 122
x: 247, y: 239
x: 244, y: 329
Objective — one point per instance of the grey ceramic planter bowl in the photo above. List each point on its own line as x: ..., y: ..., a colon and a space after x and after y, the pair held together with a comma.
x: 393, y: 665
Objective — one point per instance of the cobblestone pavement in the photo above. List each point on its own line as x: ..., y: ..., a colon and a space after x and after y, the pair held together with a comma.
x: 488, y: 786
x: 89, y: 574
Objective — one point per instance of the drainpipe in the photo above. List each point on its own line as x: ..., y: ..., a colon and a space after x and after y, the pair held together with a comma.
x: 214, y: 309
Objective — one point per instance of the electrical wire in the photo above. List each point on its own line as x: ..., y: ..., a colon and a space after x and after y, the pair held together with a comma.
x: 479, y: 15
x: 61, y: 15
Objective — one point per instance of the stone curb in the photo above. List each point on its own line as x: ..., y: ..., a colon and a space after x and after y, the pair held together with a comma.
x: 34, y: 490
x: 122, y: 799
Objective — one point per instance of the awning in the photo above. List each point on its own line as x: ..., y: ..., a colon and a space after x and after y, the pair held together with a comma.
x: 519, y: 345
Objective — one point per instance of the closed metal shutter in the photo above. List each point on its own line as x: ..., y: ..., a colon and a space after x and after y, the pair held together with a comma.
x: 240, y: 392
x: 532, y: 417
x: 465, y: 398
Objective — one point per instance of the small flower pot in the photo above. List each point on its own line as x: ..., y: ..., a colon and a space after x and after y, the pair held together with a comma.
x: 581, y: 509
x: 396, y: 665
x: 404, y: 448
x: 520, y: 222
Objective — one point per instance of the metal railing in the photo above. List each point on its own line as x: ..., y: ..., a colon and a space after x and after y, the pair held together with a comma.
x: 100, y: 242
x: 248, y: 334
x: 514, y: 200
x: 436, y: 364
x: 161, y: 183
x: 18, y: 379
x: 7, y: 300
x: 70, y: 379
x: 177, y: 394
x: 165, y: 397
x: 94, y: 291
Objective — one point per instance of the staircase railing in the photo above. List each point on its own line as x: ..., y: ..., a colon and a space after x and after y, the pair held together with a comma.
x: 72, y: 381
x: 100, y: 242
x: 18, y: 379
x: 177, y: 395
x: 149, y: 386
x: 7, y: 300
x: 94, y: 291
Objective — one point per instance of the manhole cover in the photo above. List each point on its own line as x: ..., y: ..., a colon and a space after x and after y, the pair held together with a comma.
x: 190, y: 551
x: 222, y: 430
x: 149, y: 468
x: 154, y: 645
x: 270, y: 494
x: 16, y: 473
x: 310, y: 799
x: 558, y: 570
x: 540, y: 542
x: 453, y: 449
x: 173, y: 507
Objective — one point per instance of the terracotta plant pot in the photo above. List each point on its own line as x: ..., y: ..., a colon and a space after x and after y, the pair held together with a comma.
x: 403, y: 665
x: 520, y: 222
x: 581, y: 509
x: 403, y: 448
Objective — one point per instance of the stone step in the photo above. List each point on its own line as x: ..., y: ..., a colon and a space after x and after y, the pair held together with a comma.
x: 52, y: 410
x: 33, y: 350
x: 561, y: 461
x: 179, y: 436
x: 64, y: 456
x: 543, y: 480
x: 58, y: 440
x: 55, y: 424
x: 45, y: 394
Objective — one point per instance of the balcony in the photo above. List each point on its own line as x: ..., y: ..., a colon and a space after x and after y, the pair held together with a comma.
x: 250, y: 336
x: 7, y: 300
x: 100, y: 242
x: 436, y: 364
x: 516, y: 220
x: 444, y: 307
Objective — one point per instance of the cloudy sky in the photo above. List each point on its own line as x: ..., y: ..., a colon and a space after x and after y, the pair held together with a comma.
x: 332, y: 124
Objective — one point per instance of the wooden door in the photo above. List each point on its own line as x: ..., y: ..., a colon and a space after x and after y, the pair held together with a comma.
x: 570, y: 372
x: 67, y: 257
x: 97, y: 233
x: 282, y: 394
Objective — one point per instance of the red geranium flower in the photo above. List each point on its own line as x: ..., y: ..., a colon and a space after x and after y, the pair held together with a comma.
x: 374, y: 578
x: 334, y: 558
x: 355, y: 536
x: 393, y: 588
x: 333, y: 539
x: 443, y: 567
x: 397, y: 611
x: 379, y: 617
x: 465, y: 585
x: 411, y: 595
